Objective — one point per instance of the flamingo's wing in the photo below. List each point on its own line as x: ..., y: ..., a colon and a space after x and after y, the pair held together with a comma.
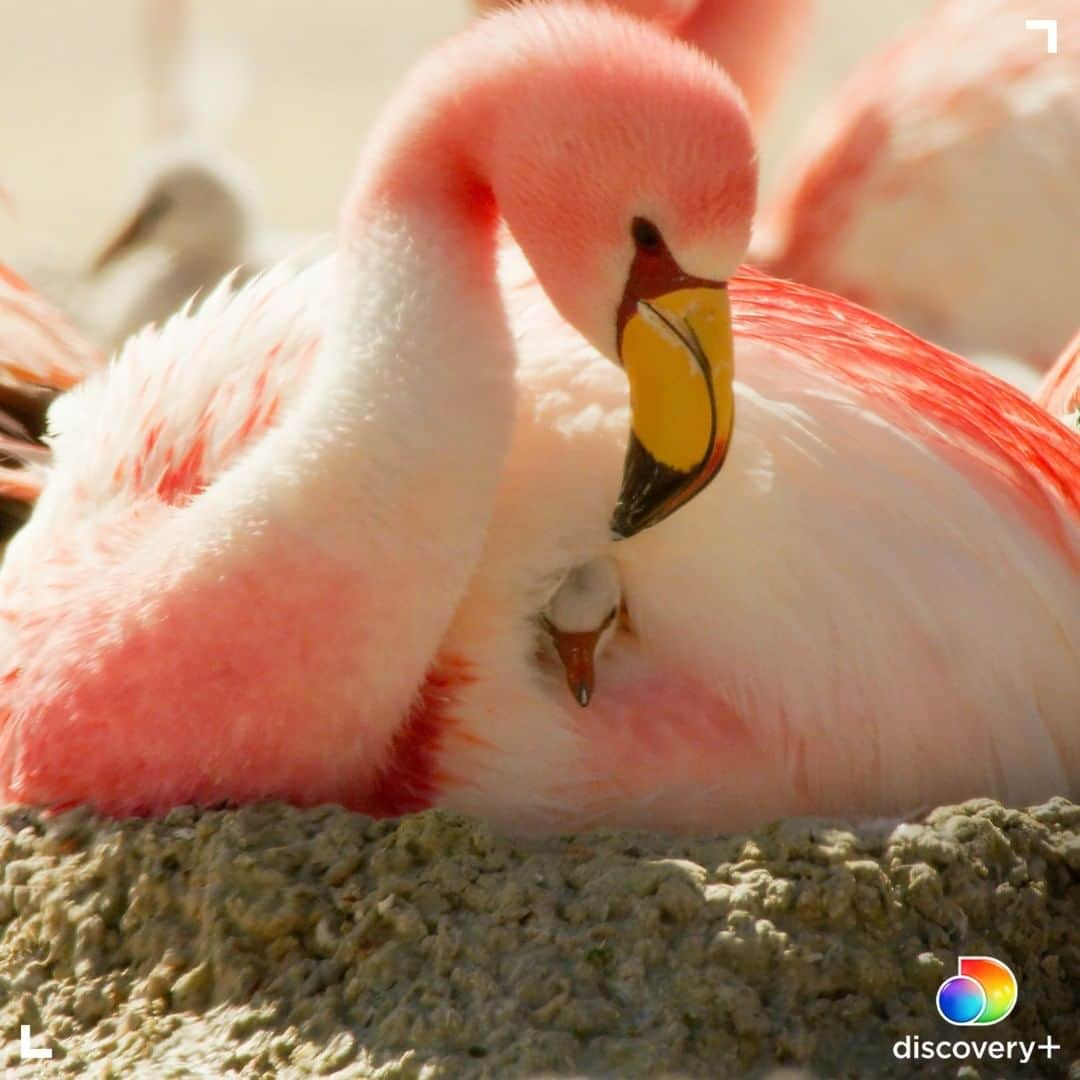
x: 985, y: 421
x: 41, y: 354
x: 1059, y: 393
x: 37, y: 344
x: 994, y: 426
x: 177, y: 405
x: 133, y: 609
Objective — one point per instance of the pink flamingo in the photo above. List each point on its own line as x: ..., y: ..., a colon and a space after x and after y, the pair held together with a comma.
x: 755, y: 41
x: 874, y: 606
x: 939, y: 187
x: 1060, y: 390
x: 238, y: 579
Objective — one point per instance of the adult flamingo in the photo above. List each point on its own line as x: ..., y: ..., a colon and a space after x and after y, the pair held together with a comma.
x: 873, y: 607
x: 260, y: 521
x: 939, y: 186
x: 755, y: 41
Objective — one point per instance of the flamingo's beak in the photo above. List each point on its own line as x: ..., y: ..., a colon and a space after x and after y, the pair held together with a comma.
x: 129, y: 236
x: 578, y: 654
x: 678, y: 353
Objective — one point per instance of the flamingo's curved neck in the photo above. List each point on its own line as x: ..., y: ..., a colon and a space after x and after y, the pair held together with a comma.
x: 401, y: 437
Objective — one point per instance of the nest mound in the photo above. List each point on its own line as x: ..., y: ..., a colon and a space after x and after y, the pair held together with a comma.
x: 281, y: 942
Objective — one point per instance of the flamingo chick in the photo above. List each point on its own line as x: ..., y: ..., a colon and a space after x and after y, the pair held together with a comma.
x: 239, y: 577
x: 190, y: 204
x: 581, y: 619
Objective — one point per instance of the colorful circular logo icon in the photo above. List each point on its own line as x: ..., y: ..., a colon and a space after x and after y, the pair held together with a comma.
x: 984, y: 992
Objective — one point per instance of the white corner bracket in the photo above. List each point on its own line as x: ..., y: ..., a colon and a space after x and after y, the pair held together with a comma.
x: 28, y: 1052
x: 1050, y: 26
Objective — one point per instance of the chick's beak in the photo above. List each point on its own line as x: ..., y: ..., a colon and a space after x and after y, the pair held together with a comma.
x: 678, y: 353
x: 577, y: 653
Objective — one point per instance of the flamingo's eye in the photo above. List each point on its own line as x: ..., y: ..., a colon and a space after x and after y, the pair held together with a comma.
x: 646, y: 235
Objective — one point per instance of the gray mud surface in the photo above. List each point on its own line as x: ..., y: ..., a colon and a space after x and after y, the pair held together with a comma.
x: 269, y: 941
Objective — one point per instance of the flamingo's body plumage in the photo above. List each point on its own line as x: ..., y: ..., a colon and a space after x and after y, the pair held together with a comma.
x: 939, y: 187
x: 875, y: 606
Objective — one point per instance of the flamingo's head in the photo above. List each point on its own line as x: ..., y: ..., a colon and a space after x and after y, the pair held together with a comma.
x: 186, y: 201
x: 624, y: 164
x: 580, y: 619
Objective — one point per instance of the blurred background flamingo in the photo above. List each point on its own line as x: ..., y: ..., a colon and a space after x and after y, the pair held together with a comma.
x: 939, y: 185
x: 41, y: 353
x: 755, y: 41
x: 190, y: 215
x: 282, y: 97
x: 1060, y: 390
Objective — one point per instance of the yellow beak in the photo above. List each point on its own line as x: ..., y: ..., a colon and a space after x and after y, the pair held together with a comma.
x: 678, y: 353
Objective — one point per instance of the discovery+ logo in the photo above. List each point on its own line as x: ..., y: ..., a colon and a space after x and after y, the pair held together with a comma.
x: 983, y: 992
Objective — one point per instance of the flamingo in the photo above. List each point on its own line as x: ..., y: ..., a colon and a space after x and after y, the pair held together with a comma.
x: 874, y: 606
x: 939, y: 186
x: 1059, y: 393
x: 755, y: 41
x: 238, y: 578
x: 43, y: 354
x: 193, y: 204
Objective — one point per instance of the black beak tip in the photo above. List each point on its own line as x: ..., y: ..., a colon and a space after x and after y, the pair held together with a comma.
x: 626, y: 521
x: 582, y: 695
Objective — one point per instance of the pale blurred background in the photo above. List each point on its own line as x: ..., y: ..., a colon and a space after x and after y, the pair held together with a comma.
x: 294, y: 100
